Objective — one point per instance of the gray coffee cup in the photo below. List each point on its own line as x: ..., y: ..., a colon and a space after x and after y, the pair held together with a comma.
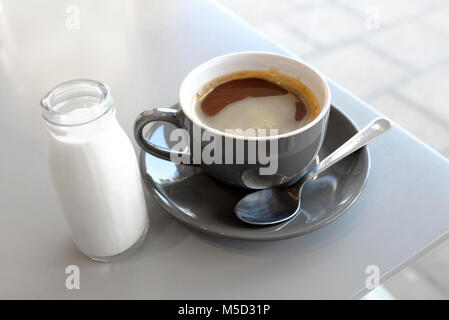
x: 249, y: 162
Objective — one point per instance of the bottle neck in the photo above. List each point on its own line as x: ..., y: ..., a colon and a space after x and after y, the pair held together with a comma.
x: 83, y: 132
x: 78, y: 108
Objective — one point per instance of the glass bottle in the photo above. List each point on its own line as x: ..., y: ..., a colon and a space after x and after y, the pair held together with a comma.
x: 94, y: 170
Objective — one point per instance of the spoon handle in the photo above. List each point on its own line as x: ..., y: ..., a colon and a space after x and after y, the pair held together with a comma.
x: 368, y: 133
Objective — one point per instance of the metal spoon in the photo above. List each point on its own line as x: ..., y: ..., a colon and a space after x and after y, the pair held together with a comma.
x: 270, y: 206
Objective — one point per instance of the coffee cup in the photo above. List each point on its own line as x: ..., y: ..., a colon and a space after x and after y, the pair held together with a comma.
x: 248, y: 161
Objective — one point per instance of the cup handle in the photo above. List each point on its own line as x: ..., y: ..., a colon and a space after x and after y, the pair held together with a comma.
x: 171, y: 115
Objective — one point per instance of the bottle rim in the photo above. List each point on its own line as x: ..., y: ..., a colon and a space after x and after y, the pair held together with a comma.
x: 76, y: 102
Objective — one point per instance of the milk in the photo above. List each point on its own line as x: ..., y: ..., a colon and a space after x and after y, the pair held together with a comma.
x: 273, y: 112
x: 96, y: 177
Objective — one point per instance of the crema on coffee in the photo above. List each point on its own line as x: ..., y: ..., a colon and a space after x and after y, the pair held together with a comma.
x: 255, y: 100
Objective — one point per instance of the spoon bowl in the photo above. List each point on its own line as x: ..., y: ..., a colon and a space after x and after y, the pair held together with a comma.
x: 275, y: 203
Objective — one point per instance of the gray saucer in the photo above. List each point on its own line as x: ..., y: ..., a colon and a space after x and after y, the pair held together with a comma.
x: 203, y: 203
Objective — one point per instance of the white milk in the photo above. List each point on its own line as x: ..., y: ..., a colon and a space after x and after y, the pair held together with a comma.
x: 272, y: 112
x: 96, y: 176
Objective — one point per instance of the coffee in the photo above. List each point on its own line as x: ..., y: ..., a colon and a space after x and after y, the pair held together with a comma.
x: 255, y: 100
x: 244, y: 160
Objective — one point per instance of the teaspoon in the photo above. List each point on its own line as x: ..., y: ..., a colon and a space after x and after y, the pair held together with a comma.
x: 275, y: 205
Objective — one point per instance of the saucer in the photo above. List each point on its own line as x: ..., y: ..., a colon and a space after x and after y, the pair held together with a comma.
x: 205, y: 204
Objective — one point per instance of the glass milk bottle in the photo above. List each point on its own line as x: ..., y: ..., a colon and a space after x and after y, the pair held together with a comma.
x: 94, y: 170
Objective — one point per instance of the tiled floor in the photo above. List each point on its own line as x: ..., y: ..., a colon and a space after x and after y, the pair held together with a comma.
x: 392, y: 54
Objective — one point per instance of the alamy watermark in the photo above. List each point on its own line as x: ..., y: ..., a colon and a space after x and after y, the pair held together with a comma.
x: 372, y: 20
x: 72, y: 282
x: 209, y: 148
x: 72, y: 21
x: 373, y: 278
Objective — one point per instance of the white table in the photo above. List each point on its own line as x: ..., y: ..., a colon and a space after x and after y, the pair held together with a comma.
x: 143, y: 50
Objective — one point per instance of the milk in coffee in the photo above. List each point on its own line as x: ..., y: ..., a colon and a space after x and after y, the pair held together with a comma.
x: 255, y: 100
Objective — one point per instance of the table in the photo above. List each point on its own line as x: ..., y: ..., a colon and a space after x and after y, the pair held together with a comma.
x: 143, y: 50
